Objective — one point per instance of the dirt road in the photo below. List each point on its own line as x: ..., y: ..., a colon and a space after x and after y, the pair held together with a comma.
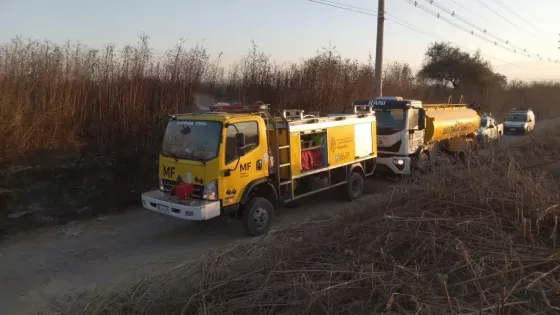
x: 83, y: 256
x: 88, y: 255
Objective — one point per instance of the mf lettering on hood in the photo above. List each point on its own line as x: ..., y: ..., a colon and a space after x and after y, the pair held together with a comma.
x: 169, y: 171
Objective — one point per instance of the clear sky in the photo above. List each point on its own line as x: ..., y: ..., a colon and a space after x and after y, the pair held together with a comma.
x: 290, y: 30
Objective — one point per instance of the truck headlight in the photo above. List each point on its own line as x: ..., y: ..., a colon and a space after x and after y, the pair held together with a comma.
x: 210, y: 191
x: 398, y: 162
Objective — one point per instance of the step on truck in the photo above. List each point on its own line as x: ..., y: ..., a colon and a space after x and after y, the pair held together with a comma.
x: 408, y: 131
x: 242, y: 161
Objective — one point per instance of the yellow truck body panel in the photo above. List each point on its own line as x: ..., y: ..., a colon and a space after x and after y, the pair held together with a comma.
x: 341, y: 145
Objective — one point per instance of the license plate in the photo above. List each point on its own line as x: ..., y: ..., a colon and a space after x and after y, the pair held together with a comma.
x: 511, y: 129
x: 162, y: 208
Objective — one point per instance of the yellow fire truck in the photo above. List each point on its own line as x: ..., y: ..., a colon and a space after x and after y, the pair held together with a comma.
x: 240, y: 161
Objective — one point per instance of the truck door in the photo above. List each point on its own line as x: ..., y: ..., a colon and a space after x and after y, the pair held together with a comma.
x: 251, y: 165
x: 415, y: 136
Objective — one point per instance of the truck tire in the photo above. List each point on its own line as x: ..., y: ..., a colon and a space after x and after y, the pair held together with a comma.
x: 258, y: 215
x: 421, y: 163
x: 354, y: 187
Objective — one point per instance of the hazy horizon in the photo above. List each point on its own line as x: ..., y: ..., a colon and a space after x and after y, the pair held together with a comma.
x: 292, y: 30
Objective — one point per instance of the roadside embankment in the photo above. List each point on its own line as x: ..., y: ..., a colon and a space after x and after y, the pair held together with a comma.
x: 476, y: 238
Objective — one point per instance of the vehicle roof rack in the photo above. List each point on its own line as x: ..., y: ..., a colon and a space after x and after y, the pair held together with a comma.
x: 239, y: 108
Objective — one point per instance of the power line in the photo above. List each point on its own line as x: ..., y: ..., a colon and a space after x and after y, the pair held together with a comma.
x: 472, y: 32
x: 466, y: 8
x: 345, y: 7
x: 491, y: 21
x: 498, y: 14
x: 495, y: 43
x: 396, y: 21
x: 403, y: 23
x: 480, y: 29
x: 517, y: 15
x: 525, y: 7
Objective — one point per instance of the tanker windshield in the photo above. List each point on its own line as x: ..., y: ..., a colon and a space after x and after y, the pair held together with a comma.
x: 517, y: 117
x: 390, y: 118
x: 192, y: 140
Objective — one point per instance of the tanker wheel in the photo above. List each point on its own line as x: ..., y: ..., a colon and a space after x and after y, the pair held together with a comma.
x: 422, y: 162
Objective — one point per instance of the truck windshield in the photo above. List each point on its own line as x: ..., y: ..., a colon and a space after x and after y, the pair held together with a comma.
x: 192, y: 140
x: 390, y: 118
x: 484, y: 122
x: 517, y: 117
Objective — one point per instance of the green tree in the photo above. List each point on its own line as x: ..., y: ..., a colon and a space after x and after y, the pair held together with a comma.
x: 445, y: 64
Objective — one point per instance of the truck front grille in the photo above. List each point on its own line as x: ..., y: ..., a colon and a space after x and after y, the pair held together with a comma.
x: 394, y: 148
x: 197, y: 193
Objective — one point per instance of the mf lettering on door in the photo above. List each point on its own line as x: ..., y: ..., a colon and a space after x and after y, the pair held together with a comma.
x: 245, y: 167
x: 168, y: 171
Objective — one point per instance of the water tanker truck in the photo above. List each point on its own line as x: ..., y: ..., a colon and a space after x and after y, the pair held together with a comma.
x: 408, y: 131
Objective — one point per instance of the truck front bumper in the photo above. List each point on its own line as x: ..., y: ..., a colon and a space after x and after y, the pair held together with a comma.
x: 397, y: 164
x: 187, y: 209
x: 514, y: 130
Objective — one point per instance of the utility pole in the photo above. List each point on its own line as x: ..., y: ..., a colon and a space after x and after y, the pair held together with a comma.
x: 379, y: 49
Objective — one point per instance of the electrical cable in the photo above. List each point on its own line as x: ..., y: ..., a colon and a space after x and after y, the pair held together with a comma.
x: 400, y: 22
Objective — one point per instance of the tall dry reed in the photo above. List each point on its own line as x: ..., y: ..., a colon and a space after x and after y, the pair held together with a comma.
x: 110, y: 100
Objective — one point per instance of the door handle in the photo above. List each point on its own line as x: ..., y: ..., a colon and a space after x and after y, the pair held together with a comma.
x: 259, y: 165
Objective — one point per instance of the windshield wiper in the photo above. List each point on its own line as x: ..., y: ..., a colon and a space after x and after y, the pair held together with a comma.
x: 169, y: 153
x: 188, y: 156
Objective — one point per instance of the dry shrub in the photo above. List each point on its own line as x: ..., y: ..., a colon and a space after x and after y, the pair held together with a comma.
x: 478, y: 238
x: 107, y: 101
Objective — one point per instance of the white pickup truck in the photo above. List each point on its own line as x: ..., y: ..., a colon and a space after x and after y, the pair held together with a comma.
x: 489, y: 129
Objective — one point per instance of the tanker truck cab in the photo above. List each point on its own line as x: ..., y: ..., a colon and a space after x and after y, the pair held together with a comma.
x: 241, y: 161
x: 400, y: 132
x: 410, y: 131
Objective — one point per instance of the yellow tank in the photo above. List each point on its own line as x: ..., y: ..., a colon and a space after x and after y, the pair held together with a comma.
x: 445, y: 121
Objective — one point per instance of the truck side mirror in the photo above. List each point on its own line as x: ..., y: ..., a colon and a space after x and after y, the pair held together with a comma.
x: 421, y: 119
x: 240, y: 140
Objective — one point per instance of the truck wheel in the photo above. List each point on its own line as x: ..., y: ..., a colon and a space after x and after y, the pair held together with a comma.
x: 354, y: 187
x: 422, y: 162
x: 257, y: 216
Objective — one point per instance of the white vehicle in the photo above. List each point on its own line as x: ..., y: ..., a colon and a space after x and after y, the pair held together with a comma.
x: 519, y: 120
x: 408, y: 131
x: 489, y: 129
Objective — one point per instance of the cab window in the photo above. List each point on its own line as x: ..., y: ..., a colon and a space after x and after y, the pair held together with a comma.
x: 251, y: 131
x: 413, y: 115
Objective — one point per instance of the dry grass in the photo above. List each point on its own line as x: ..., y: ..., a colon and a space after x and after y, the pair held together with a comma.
x: 476, y: 239
x: 108, y: 101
